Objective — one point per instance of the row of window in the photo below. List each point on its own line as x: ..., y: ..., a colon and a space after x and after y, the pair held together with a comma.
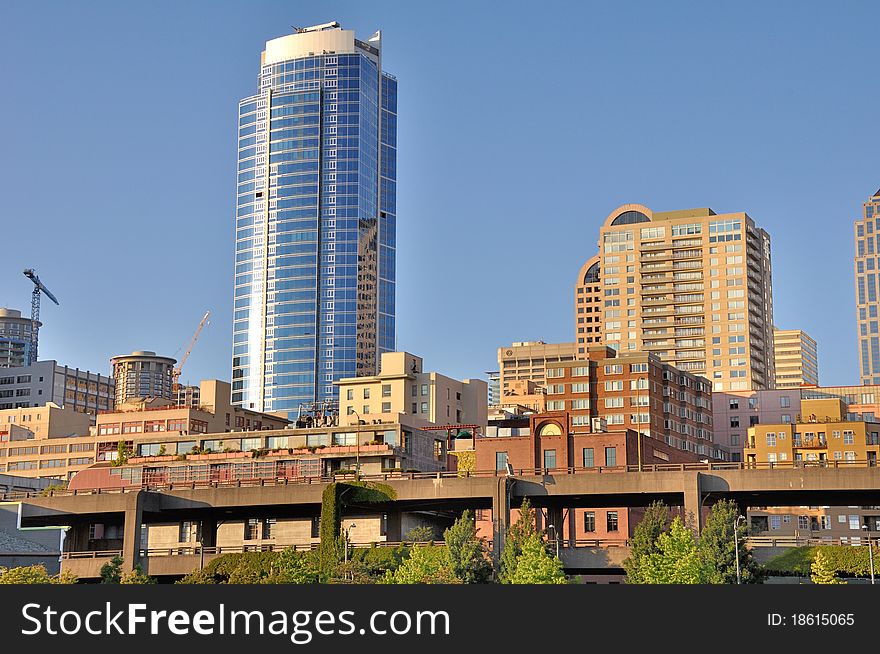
x: 549, y: 458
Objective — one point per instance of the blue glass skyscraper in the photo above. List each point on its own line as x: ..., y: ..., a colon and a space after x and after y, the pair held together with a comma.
x: 315, y: 219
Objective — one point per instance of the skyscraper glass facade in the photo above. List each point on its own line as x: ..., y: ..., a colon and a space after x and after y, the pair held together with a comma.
x: 867, y: 276
x: 315, y: 220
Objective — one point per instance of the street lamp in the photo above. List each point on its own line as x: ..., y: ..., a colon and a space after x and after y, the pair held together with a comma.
x: 736, y: 545
x: 555, y: 537
x: 870, y: 552
x: 346, y: 539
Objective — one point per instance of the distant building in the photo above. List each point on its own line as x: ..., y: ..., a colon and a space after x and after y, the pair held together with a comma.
x: 24, y: 547
x: 528, y: 360
x: 588, y: 306
x: 867, y: 277
x: 401, y: 387
x: 143, y: 374
x: 48, y: 381
x: 494, y: 386
x: 47, y: 442
x: 823, y: 435
x: 55, y: 443
x: 796, y: 358
x: 691, y: 286
x: 15, y: 339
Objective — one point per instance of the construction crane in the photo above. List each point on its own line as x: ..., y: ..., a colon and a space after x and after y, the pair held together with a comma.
x: 39, y: 288
x: 175, y: 373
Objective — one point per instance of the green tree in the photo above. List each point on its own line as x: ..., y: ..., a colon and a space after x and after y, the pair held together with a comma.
x: 676, y: 561
x: 111, y: 572
x: 421, y: 534
x: 34, y: 574
x: 535, y: 566
x: 137, y: 576
x: 430, y: 564
x: 718, y: 550
x: 822, y: 571
x: 293, y: 567
x: 517, y: 535
x: 644, y: 540
x: 467, y: 552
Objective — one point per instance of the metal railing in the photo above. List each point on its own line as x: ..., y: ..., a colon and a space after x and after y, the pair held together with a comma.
x: 390, y: 476
x: 197, y: 550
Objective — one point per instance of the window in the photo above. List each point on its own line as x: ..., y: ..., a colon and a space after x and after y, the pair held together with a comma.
x: 316, y: 527
x: 848, y: 437
x: 549, y: 459
x: 424, y: 407
x: 784, y: 402
x: 614, y: 369
x: 854, y: 522
x: 611, y: 521
x: 386, y: 407
x: 186, y: 532
x: 251, y: 529
x: 424, y: 390
x: 610, y: 456
x: 366, y: 393
x: 269, y: 528
x: 614, y: 386
x: 589, y: 460
x: 500, y: 461
x: 803, y: 522
x: 771, y: 439
x: 386, y: 390
x: 589, y: 521
x: 349, y: 394
x: 775, y: 522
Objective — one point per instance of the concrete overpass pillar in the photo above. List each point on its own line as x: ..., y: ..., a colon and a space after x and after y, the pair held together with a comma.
x: 500, y: 517
x: 131, y: 541
x: 693, y: 501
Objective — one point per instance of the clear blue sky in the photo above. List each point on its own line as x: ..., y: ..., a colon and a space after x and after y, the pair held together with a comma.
x: 522, y: 125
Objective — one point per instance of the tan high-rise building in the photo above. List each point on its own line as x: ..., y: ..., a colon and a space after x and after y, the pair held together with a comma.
x: 528, y: 361
x: 796, y: 358
x: 692, y: 287
x: 867, y: 276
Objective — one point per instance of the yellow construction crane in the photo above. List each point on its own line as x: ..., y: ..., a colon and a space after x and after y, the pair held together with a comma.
x: 175, y: 373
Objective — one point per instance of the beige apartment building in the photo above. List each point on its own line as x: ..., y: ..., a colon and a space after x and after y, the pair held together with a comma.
x: 867, y: 279
x: 402, y: 387
x: 529, y: 360
x: 693, y: 287
x: 796, y: 358
x: 824, y: 434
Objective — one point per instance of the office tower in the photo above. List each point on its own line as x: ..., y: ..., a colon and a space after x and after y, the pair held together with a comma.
x: 796, y: 358
x: 692, y: 287
x: 315, y: 219
x: 15, y: 339
x: 588, y: 306
x: 143, y: 374
x: 867, y: 269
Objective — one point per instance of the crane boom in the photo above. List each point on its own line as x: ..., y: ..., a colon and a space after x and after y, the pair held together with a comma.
x: 179, y: 368
x: 39, y: 288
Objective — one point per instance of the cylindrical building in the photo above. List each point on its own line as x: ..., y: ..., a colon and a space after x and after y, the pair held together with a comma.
x: 143, y: 374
